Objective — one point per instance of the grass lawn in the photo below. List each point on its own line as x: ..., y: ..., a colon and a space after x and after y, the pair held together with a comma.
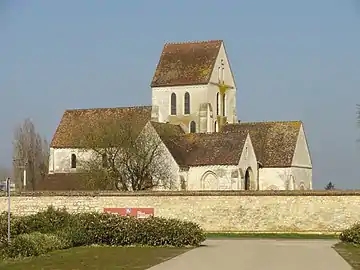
x: 350, y: 253
x: 91, y: 258
x: 270, y: 235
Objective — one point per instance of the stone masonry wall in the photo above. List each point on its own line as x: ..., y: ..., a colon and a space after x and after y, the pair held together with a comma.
x: 229, y: 211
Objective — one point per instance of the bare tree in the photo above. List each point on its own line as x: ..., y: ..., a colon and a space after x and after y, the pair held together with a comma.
x: 4, y: 173
x: 30, y: 152
x: 123, y: 158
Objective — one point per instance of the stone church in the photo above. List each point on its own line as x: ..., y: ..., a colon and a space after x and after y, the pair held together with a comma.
x: 194, y: 94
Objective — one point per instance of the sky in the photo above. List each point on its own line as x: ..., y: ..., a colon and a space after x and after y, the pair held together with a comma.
x: 292, y: 60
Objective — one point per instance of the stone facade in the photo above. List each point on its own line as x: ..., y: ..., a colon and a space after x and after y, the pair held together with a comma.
x: 218, y: 213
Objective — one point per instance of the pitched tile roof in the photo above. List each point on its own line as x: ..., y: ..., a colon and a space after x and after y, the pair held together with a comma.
x: 74, y: 122
x: 187, y: 63
x: 173, y: 136
x: 274, y: 142
x: 167, y: 129
x: 200, y: 149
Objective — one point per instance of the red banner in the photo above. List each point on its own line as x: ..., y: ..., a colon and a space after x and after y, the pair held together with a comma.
x: 133, y: 212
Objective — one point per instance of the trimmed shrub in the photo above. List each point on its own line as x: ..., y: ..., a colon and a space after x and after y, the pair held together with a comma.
x: 106, y: 229
x: 15, y: 228
x: 48, y: 221
x: 34, y: 244
x: 162, y: 232
x: 351, y: 235
x: 116, y: 230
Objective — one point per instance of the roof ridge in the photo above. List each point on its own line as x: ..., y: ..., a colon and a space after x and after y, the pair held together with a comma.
x: 209, y: 134
x: 193, y: 42
x: 107, y: 108
x: 269, y: 122
x: 166, y: 123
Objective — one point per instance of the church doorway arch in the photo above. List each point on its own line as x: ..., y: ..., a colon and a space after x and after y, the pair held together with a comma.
x: 209, y: 181
x: 248, y: 183
x: 302, y: 186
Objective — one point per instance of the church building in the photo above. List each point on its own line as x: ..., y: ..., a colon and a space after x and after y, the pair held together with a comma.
x: 194, y: 94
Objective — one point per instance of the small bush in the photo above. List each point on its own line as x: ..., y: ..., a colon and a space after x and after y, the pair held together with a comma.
x: 47, y: 221
x: 351, y: 235
x: 34, y: 244
x: 161, y: 231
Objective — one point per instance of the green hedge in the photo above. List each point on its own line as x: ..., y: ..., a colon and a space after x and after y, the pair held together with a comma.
x: 48, y: 221
x: 94, y: 228
x: 34, y: 244
x: 110, y: 229
x: 351, y: 235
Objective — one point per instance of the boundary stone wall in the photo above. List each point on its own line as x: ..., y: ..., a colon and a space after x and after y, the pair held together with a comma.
x: 215, y: 211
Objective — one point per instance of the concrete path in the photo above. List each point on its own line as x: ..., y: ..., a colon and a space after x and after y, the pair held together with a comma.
x: 259, y: 255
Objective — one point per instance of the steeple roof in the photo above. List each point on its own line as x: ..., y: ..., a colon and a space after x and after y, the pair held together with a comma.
x: 189, y: 63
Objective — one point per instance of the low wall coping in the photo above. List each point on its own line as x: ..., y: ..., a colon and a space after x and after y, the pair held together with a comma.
x: 183, y: 193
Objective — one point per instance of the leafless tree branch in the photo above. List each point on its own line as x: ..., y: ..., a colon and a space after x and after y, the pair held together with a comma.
x: 30, y: 151
x: 122, y: 158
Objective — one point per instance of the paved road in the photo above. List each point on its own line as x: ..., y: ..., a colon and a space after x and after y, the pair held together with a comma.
x: 259, y: 255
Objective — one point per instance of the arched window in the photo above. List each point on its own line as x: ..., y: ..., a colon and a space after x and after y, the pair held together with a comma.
x: 216, y: 127
x: 187, y: 103
x: 192, y: 127
x: 302, y: 186
x: 104, y: 161
x: 182, y: 183
x: 223, y: 103
x: 217, y: 103
x: 248, y: 179
x: 73, y: 161
x: 173, y: 104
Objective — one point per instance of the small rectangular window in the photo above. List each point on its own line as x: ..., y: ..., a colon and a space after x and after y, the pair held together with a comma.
x: 73, y: 161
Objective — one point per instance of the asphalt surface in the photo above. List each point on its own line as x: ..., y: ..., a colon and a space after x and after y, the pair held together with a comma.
x: 259, y: 254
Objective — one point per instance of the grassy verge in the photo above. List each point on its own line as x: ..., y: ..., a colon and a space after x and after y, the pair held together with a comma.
x: 350, y: 253
x: 271, y: 235
x: 89, y: 258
